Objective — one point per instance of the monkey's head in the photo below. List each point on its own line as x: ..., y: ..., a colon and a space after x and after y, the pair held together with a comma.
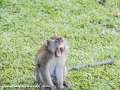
x: 56, y: 45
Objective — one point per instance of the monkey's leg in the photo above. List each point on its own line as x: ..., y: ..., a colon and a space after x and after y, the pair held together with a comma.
x: 65, y: 83
x: 38, y: 76
x: 59, y: 76
x: 39, y: 79
x: 47, y: 79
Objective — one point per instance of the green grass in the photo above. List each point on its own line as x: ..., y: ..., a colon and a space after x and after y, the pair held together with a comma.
x: 26, y: 24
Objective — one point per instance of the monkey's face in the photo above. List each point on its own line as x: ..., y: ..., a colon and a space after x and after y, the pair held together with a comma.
x: 56, y: 45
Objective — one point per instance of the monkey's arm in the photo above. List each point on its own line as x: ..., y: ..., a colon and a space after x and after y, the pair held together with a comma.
x: 94, y: 65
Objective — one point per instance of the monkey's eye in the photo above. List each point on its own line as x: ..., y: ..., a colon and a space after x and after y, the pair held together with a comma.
x: 61, y: 40
x: 56, y: 41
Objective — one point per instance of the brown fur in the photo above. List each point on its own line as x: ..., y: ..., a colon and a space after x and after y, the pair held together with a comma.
x: 56, y: 37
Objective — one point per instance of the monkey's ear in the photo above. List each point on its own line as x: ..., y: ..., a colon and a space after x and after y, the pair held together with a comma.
x: 47, y: 42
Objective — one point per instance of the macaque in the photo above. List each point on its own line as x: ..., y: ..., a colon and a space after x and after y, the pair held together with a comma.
x: 50, y: 64
x: 50, y: 67
x: 101, y: 1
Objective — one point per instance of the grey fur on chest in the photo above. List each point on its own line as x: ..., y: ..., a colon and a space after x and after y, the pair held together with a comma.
x: 55, y: 62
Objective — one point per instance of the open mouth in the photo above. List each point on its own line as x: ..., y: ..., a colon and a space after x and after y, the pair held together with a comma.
x: 59, y: 51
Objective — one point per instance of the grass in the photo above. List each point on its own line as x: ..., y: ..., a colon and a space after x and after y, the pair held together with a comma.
x: 92, y: 31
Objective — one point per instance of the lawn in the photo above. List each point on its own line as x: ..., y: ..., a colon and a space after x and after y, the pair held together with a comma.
x: 91, y: 29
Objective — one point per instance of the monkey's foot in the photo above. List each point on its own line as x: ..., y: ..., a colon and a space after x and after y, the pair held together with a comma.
x: 66, y: 83
x: 46, y: 88
x: 49, y: 88
x: 65, y: 88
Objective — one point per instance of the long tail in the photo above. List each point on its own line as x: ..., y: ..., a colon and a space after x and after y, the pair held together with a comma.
x: 93, y: 65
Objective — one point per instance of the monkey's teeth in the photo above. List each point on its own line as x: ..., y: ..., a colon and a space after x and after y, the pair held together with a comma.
x: 58, y: 52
